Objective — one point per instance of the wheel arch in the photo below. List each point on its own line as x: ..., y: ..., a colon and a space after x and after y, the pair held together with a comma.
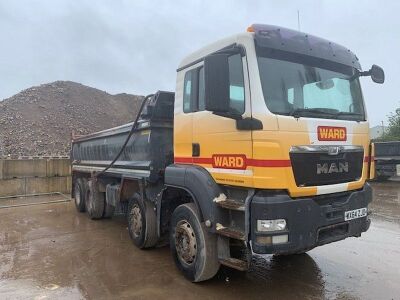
x: 183, y: 191
x: 198, y: 183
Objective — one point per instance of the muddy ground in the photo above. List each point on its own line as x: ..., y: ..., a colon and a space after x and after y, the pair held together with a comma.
x: 53, y: 252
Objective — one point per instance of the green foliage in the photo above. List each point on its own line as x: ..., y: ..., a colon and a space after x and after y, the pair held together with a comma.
x: 393, y: 131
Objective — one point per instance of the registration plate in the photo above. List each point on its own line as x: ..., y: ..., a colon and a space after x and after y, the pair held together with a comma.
x: 355, y: 214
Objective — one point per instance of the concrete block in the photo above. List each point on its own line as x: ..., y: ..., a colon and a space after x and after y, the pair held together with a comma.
x: 58, y: 167
x: 20, y: 168
x: 47, y: 185
x: 69, y: 184
x: 12, y: 187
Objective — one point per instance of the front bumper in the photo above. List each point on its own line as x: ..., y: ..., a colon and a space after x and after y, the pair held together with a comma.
x: 311, y: 221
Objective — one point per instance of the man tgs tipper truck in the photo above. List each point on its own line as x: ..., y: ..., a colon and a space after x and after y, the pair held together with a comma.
x: 264, y: 148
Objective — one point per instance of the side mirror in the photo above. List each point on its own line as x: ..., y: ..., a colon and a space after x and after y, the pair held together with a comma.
x: 377, y: 74
x: 216, y: 78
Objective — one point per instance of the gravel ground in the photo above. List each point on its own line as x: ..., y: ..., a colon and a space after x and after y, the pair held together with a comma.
x: 53, y: 252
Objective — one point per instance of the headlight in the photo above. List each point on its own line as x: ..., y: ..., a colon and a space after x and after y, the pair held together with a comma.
x: 271, y: 225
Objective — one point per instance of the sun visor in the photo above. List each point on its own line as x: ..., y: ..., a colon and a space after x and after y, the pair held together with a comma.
x: 284, y: 39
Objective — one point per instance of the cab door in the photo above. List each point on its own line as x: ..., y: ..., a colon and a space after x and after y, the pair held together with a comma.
x: 218, y: 145
x: 183, y: 116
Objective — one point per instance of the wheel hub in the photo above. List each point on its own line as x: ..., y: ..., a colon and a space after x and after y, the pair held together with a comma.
x: 185, y: 242
x: 136, y: 220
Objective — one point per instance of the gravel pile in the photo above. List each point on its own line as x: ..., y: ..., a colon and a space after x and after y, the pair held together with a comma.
x: 40, y: 120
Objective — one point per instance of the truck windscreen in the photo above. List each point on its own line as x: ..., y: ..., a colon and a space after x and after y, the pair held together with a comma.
x: 305, y: 86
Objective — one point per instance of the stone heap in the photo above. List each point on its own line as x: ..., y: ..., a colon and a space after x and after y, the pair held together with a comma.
x: 40, y: 120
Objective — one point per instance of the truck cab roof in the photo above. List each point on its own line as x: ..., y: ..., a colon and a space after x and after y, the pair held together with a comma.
x: 199, y: 54
x: 283, y: 39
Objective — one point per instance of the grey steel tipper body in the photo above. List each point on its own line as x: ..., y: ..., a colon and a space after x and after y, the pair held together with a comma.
x: 387, y: 159
x: 148, y: 152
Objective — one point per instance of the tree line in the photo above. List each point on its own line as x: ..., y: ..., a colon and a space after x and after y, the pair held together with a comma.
x: 393, y: 131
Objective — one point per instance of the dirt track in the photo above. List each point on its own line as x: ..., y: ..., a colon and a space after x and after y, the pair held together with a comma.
x: 52, y: 252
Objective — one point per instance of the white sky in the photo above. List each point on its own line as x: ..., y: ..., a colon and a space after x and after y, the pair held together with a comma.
x: 135, y: 46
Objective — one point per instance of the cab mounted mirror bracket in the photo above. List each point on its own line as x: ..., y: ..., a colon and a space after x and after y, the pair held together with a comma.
x: 377, y: 74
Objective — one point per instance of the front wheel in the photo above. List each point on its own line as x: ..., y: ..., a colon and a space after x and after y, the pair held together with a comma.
x: 193, y: 248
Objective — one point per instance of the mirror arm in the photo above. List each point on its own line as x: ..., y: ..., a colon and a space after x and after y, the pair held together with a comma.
x: 360, y: 74
x: 233, y: 50
x: 364, y: 73
x: 375, y: 72
x: 249, y: 124
x: 243, y: 123
x: 228, y: 115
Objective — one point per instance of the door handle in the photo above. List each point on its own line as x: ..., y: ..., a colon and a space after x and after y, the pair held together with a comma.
x: 195, y: 149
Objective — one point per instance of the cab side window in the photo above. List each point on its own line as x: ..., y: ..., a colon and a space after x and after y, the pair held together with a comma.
x: 236, y: 84
x: 194, y: 87
x: 187, y: 92
x: 202, y: 100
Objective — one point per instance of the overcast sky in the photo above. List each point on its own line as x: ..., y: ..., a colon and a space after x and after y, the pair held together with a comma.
x: 135, y: 46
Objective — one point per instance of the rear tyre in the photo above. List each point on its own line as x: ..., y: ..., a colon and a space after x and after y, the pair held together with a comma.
x: 79, y: 195
x: 142, y: 223
x: 95, y: 201
x: 193, y: 248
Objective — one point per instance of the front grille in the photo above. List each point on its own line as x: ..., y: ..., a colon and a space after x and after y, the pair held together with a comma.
x: 314, y: 168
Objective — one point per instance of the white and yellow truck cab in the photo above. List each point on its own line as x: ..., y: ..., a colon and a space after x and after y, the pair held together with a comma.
x: 264, y: 147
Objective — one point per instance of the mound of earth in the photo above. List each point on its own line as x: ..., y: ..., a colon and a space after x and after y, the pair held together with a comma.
x: 40, y: 120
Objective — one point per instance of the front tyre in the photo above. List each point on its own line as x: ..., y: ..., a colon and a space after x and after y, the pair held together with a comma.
x: 193, y: 248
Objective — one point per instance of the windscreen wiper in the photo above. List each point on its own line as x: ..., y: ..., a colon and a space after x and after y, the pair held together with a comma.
x: 345, y: 113
x: 298, y: 111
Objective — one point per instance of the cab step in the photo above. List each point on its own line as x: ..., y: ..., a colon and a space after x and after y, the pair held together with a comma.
x: 230, y: 232
x: 234, y: 263
x: 231, y: 204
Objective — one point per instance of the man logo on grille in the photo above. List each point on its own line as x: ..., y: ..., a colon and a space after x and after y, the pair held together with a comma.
x: 334, y: 150
x: 341, y: 167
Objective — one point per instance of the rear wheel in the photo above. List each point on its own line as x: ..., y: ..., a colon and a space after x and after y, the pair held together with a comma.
x: 194, y: 249
x: 79, y: 195
x: 142, y: 223
x: 94, y: 201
